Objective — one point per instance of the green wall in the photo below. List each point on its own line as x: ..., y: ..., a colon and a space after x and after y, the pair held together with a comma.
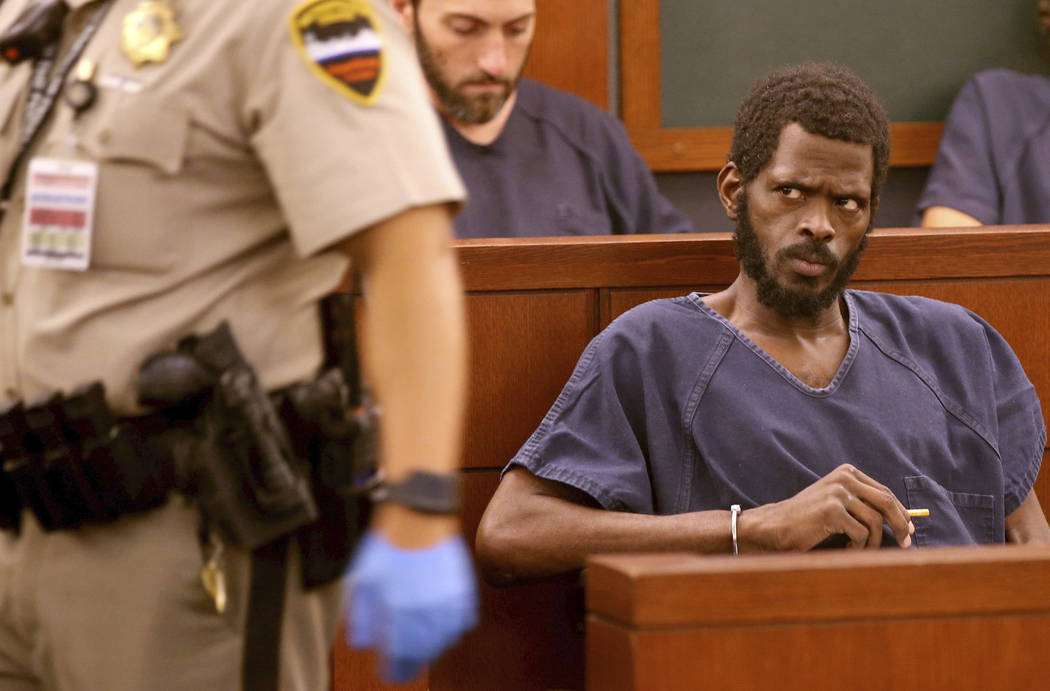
x: 914, y: 53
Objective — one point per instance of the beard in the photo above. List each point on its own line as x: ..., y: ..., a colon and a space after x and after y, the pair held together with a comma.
x: 471, y: 110
x: 789, y: 302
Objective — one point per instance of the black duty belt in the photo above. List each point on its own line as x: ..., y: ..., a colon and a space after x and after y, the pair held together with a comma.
x: 266, y: 468
x: 71, y: 461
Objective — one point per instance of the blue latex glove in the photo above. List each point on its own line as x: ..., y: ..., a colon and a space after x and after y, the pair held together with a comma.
x: 409, y: 605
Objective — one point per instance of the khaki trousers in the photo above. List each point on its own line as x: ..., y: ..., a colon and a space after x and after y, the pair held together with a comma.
x: 121, y: 607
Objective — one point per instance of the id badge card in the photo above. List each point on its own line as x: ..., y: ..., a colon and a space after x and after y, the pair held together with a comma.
x: 60, y: 206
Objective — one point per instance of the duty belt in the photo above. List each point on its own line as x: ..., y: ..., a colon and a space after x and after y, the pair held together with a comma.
x: 71, y: 461
x: 260, y: 466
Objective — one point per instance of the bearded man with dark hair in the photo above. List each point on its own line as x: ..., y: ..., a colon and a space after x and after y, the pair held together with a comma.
x: 825, y: 100
x: 785, y: 412
x: 536, y: 161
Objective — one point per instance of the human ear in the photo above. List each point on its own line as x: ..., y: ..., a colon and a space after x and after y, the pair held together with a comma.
x: 730, y: 186
x: 405, y: 11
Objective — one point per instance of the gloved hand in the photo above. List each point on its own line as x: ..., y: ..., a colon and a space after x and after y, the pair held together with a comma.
x: 409, y: 605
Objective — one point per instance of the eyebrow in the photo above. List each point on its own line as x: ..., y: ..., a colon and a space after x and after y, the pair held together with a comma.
x: 474, y: 18
x: 860, y: 191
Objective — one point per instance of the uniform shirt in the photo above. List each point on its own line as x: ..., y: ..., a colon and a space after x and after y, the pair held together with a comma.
x: 224, y: 172
x: 672, y: 409
x: 560, y: 166
x: 992, y: 162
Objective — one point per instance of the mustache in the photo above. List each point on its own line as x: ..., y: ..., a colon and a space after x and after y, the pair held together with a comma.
x: 810, y: 251
x: 483, y: 80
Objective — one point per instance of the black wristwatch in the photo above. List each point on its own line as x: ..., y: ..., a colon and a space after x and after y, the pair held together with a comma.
x: 422, y: 491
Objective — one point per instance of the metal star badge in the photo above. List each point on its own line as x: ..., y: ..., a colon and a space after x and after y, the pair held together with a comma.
x: 149, y: 32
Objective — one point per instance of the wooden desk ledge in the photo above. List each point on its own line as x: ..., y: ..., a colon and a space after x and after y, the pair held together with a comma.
x: 653, y: 591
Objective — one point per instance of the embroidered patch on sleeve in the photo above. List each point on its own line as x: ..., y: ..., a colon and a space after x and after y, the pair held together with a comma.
x: 341, y: 41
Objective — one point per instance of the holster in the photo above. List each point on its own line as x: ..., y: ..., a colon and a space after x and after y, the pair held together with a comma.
x: 300, y: 460
x: 246, y: 478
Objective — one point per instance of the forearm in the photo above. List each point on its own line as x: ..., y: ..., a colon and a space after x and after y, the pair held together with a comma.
x: 1027, y: 524
x: 415, y: 349
x: 528, y: 534
x: 536, y: 527
x: 947, y: 217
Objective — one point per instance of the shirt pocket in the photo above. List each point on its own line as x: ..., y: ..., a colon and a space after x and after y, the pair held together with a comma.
x: 140, y: 146
x: 571, y: 219
x: 956, y: 518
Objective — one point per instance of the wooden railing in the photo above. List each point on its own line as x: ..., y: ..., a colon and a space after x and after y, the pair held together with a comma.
x: 960, y: 617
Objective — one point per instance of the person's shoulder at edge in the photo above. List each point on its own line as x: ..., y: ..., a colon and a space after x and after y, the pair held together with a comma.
x: 656, y: 326
x: 572, y: 116
x: 1015, y: 82
x: 603, y: 139
x: 942, y: 338
x: 654, y: 345
x: 909, y: 316
x: 1013, y: 99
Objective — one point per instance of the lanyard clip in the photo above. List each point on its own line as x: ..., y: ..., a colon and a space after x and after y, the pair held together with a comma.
x: 35, y: 29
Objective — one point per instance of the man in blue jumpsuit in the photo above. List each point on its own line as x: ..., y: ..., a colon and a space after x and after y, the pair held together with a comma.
x: 536, y: 161
x: 991, y: 164
x: 784, y: 412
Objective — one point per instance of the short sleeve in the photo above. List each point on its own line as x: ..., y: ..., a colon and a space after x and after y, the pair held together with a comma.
x: 1021, y: 432
x: 590, y: 437
x: 964, y: 176
x: 340, y: 163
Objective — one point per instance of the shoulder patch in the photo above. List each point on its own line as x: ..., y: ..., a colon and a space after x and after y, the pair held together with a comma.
x: 342, y: 43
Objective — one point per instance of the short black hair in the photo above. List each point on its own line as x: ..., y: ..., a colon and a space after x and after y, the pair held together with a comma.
x: 825, y: 99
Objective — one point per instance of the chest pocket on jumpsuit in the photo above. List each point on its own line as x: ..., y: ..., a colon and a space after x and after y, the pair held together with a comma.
x: 955, y: 517
x: 139, y: 144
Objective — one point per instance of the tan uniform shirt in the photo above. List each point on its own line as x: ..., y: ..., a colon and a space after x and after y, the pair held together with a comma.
x: 223, y: 172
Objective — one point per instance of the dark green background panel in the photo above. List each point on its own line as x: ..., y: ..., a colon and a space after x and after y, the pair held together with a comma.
x: 914, y: 53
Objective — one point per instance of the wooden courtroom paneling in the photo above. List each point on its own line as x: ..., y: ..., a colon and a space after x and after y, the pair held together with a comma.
x: 615, y: 302
x: 969, y: 616
x: 523, y: 348
x: 571, y: 48
x: 355, y: 670
x: 596, y: 261
x: 535, y: 631
x: 864, y: 656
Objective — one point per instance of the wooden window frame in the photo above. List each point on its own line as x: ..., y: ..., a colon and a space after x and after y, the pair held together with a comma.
x: 680, y: 149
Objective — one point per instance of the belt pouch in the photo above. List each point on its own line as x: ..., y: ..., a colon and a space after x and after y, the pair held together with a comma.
x: 124, y: 473
x: 12, y: 451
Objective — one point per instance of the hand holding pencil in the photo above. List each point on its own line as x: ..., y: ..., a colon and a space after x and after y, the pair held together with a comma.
x: 845, y: 501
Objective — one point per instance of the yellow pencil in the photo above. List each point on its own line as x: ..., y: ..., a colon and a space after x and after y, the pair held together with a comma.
x: 918, y: 513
